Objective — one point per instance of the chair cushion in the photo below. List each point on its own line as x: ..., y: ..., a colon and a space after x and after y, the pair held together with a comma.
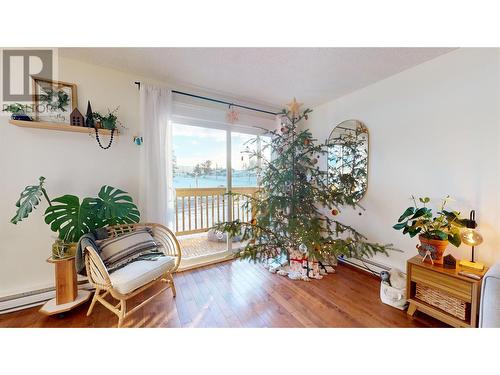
x: 118, y: 251
x: 139, y: 273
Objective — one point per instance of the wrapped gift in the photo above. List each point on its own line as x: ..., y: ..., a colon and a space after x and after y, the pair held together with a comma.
x: 312, y: 270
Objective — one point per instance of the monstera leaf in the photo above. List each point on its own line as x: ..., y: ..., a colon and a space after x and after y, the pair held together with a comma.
x: 71, y: 219
x: 29, y: 199
x: 114, y: 206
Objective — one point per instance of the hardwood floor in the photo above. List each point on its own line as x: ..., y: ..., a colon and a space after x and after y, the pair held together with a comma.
x: 241, y: 294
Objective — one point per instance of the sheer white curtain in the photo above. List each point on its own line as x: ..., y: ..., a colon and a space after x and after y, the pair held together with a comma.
x: 156, y: 185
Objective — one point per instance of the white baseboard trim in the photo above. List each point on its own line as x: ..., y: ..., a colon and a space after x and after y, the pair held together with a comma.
x: 26, y: 300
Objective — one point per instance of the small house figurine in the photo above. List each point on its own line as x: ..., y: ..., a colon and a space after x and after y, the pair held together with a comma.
x: 76, y: 118
x: 449, y: 261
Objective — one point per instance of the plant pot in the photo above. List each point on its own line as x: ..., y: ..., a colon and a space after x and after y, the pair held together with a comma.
x: 20, y: 117
x: 435, y: 248
x: 61, y: 250
x: 108, y: 124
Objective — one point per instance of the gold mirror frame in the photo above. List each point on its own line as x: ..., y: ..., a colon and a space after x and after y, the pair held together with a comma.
x: 347, y: 162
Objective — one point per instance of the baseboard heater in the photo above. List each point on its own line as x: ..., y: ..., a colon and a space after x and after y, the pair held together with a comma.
x: 33, y: 298
x: 363, y: 263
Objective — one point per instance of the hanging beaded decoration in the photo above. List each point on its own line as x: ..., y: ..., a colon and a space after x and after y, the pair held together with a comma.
x: 99, y: 140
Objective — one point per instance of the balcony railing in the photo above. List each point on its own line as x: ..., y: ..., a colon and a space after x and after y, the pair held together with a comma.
x: 198, y: 209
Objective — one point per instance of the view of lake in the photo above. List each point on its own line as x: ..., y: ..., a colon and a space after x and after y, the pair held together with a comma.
x: 186, y: 181
x: 202, y: 152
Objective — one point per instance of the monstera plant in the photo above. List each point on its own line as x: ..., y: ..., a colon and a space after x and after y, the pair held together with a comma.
x: 72, y: 218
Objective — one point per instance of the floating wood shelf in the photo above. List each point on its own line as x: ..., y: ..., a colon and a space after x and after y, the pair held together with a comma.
x: 58, y: 126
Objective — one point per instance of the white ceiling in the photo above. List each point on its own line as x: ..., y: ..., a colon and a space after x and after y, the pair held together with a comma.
x: 268, y: 76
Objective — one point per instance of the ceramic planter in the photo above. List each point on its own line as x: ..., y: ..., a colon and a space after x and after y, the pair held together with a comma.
x: 436, y: 248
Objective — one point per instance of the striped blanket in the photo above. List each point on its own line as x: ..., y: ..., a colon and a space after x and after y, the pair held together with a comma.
x: 119, y: 251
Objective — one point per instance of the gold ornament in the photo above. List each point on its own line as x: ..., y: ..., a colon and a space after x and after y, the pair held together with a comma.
x: 294, y: 106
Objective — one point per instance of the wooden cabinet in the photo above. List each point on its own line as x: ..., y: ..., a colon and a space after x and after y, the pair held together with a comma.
x: 443, y: 293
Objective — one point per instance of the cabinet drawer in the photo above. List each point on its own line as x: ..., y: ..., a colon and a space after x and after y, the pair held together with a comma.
x: 451, y: 285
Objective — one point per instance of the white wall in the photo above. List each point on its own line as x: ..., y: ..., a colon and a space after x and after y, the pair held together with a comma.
x: 434, y: 130
x: 73, y: 163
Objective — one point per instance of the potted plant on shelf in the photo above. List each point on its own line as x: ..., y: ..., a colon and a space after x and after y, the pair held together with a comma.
x: 109, y: 122
x: 18, y: 112
x: 435, y: 231
x: 71, y: 218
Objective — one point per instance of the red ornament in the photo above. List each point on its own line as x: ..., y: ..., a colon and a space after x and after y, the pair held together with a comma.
x: 335, y: 212
x: 307, y: 142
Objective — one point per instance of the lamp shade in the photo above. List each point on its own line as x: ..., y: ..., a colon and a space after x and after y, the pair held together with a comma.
x: 471, y: 237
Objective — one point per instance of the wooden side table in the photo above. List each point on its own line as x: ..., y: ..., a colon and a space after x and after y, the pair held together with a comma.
x: 447, y: 283
x: 67, y: 294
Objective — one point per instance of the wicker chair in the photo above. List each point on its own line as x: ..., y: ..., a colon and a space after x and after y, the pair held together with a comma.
x: 123, y: 284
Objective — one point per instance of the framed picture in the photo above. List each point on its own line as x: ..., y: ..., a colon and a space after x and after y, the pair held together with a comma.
x: 53, y: 100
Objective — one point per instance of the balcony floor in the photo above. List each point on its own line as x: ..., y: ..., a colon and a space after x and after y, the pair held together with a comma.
x: 194, y: 245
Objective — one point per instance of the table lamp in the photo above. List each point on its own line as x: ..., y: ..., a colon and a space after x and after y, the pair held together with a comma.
x: 471, y: 237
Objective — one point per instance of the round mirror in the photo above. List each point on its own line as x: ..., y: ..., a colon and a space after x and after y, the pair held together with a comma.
x: 348, y: 159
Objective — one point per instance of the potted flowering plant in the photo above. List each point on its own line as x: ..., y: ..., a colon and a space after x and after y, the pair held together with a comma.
x: 435, y: 231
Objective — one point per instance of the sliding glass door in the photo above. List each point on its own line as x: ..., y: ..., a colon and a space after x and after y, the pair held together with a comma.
x: 244, y: 177
x: 207, y: 163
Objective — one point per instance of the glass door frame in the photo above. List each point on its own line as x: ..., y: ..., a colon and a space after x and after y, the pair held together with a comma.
x: 229, y: 129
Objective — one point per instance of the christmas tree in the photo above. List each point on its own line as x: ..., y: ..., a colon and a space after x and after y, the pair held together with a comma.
x: 294, y: 212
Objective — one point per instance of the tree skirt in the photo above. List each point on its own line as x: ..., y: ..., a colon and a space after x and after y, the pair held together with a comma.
x: 298, y: 268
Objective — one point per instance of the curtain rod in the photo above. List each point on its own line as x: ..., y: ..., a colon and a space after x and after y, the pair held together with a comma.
x: 215, y: 100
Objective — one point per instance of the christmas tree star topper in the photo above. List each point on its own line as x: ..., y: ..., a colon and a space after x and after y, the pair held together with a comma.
x: 294, y: 106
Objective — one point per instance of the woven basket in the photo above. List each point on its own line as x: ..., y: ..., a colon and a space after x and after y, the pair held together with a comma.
x: 442, y: 300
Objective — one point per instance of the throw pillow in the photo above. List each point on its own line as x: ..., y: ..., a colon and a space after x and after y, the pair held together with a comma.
x: 119, y: 251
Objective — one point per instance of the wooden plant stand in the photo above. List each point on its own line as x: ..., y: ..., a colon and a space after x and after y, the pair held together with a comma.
x: 67, y: 294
